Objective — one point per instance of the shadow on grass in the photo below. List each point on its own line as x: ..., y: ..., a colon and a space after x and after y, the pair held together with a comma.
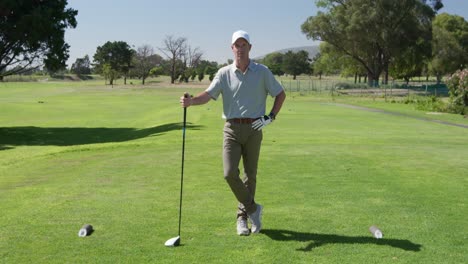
x: 317, y: 240
x: 69, y: 136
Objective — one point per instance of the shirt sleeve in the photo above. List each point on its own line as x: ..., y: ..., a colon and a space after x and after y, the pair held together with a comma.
x: 273, y: 86
x: 214, y: 90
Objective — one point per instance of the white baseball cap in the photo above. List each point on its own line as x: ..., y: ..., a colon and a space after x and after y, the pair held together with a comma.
x: 240, y: 34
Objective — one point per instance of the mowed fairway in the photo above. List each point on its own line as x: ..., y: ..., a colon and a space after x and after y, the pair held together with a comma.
x: 75, y: 153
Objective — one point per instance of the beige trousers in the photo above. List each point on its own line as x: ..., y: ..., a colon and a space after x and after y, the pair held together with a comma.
x: 241, y: 141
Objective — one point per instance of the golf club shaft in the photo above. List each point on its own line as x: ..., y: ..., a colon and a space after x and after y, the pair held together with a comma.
x: 182, y: 167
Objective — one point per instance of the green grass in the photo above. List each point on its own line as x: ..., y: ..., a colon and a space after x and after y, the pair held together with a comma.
x: 73, y: 153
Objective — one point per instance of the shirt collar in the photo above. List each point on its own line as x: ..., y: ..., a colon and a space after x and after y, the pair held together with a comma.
x: 252, y: 66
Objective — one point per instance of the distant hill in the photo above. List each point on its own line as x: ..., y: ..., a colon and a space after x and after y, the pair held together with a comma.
x: 312, y: 50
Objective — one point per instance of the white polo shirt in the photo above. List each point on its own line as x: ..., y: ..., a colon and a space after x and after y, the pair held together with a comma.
x: 244, y: 94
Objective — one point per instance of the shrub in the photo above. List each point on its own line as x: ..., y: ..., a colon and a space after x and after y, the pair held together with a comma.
x: 342, y: 85
x: 426, y: 103
x: 346, y: 85
x: 458, y: 90
x: 431, y: 103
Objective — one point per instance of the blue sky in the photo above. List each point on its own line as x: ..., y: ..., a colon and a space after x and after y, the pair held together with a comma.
x: 207, y: 24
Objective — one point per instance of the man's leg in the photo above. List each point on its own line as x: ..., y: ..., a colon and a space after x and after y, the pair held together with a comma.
x: 250, y: 157
x: 232, y: 152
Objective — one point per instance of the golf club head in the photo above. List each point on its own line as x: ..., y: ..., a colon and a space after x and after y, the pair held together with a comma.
x: 86, y: 230
x: 376, y: 232
x: 173, y: 242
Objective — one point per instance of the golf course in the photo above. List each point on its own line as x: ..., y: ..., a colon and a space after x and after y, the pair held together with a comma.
x: 81, y: 152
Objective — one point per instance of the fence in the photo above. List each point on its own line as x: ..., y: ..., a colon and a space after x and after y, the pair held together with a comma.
x: 338, y: 87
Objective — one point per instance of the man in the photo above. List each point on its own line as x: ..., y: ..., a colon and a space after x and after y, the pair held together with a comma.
x: 244, y: 86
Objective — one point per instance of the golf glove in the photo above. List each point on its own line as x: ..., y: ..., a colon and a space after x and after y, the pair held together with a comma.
x: 263, y: 121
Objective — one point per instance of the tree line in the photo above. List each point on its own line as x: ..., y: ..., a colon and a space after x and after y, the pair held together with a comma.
x: 373, y: 39
x: 117, y: 59
x: 381, y: 38
x: 181, y: 62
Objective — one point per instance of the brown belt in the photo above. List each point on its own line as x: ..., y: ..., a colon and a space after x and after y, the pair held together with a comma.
x: 242, y: 120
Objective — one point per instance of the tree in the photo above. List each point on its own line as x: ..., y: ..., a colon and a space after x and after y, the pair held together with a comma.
x: 274, y: 62
x: 206, y: 67
x: 454, y: 24
x: 156, y: 71
x: 32, y: 33
x: 449, y: 45
x: 193, y: 57
x: 327, y: 61
x: 118, y: 55
x: 409, y: 64
x: 211, y: 70
x: 371, y: 32
x: 174, y: 49
x: 201, y: 75
x: 332, y: 61
x: 81, y: 66
x: 144, y: 61
x: 109, y: 73
x: 296, y: 63
x: 447, y: 54
x: 190, y: 60
x: 435, y: 4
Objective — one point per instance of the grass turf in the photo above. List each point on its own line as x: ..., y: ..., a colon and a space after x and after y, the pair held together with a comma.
x: 77, y: 153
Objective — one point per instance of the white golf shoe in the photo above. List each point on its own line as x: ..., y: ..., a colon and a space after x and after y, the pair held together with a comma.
x: 256, y: 219
x: 242, y: 228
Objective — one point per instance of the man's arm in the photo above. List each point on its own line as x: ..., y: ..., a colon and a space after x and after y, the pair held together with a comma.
x: 279, y: 99
x: 263, y: 121
x: 202, y: 98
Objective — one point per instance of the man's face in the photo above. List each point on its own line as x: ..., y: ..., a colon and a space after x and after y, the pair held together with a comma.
x: 241, y: 49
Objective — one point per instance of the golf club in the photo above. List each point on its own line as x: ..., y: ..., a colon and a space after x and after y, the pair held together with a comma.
x: 175, y: 241
x: 376, y: 232
x: 86, y: 230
